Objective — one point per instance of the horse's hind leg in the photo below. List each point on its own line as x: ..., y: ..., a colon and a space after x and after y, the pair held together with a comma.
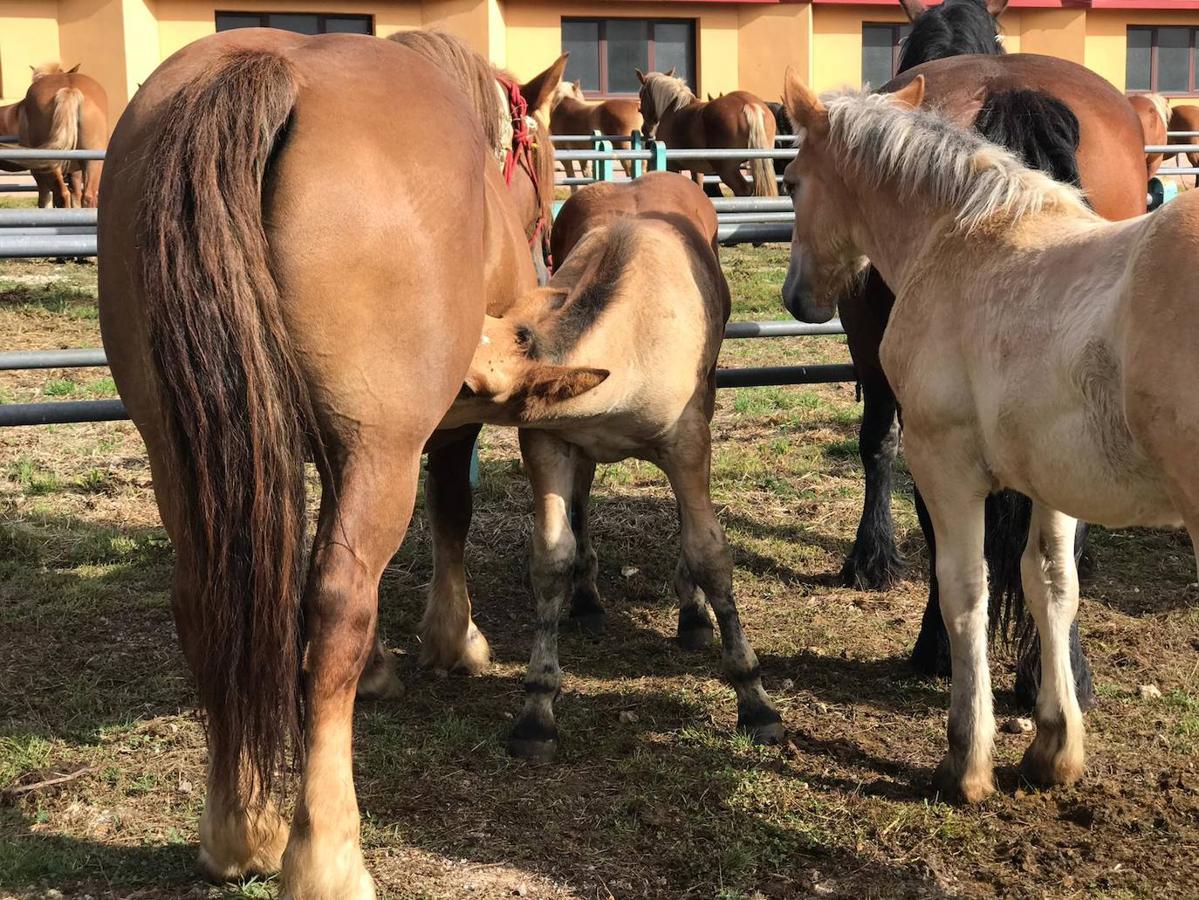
x: 449, y: 637
x: 586, y: 611
x: 730, y: 173
x: 695, y: 629
x: 551, y: 465
x: 365, y: 509
x: 687, y: 462
x: 1051, y: 592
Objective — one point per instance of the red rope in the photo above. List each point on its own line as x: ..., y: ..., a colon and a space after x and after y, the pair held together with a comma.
x: 521, y: 154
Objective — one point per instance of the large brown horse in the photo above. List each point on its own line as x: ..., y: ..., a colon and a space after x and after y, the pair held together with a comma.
x: 60, y: 111
x: 573, y: 113
x: 736, y: 120
x: 1059, y: 117
x: 253, y: 319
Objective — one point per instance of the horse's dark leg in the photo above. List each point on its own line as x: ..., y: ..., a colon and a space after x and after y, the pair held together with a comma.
x: 874, y: 562
x: 930, y: 656
x: 586, y: 612
x: 1028, y: 649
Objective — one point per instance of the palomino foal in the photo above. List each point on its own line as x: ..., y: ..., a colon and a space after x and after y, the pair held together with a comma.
x: 1033, y: 346
x: 642, y: 351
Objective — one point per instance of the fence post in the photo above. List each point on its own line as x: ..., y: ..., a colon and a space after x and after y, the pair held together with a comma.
x: 596, y: 136
x: 603, y: 167
x: 658, y: 161
x: 635, y: 144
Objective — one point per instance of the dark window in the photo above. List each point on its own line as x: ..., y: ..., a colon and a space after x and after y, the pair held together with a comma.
x: 1161, y: 59
x: 881, y: 47
x: 604, y: 52
x: 301, y: 23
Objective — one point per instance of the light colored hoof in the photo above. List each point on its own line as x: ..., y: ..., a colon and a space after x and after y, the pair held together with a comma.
x: 1047, y: 764
x: 473, y: 656
x: 325, y: 875
x: 970, y: 788
x: 379, y: 680
x: 232, y: 848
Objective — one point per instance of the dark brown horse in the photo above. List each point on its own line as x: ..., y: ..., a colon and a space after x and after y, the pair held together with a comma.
x: 60, y: 111
x: 736, y: 120
x: 1059, y: 117
x: 254, y: 319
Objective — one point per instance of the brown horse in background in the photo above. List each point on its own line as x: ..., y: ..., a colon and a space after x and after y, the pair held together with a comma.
x: 678, y: 118
x: 253, y: 319
x: 1154, y: 112
x: 573, y: 113
x: 1185, y: 117
x: 60, y: 111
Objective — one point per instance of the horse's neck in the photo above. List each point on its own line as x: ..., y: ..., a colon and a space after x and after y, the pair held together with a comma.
x: 896, y: 233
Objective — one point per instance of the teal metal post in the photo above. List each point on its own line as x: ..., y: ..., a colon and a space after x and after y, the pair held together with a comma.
x: 635, y: 144
x: 658, y: 161
x: 603, y: 167
x: 596, y: 140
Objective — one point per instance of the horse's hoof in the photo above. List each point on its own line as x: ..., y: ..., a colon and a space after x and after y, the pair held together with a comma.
x: 696, y: 637
x: 763, y: 725
x: 590, y: 623
x: 872, y: 570
x: 969, y: 789
x: 533, y: 750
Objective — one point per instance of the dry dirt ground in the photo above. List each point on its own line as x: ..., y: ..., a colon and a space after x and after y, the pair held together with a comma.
x: 654, y: 794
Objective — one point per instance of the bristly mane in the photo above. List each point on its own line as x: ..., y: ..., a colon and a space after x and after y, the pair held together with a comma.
x: 668, y: 92
x: 951, y: 29
x: 925, y: 153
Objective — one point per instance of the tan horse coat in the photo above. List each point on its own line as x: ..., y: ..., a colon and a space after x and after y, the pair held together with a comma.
x: 60, y: 111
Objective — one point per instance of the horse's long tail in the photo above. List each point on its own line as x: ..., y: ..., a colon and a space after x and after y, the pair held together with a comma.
x: 1044, y: 133
x: 761, y: 170
x: 64, y: 121
x: 237, y: 406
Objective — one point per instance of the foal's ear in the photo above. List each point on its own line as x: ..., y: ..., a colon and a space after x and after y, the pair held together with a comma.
x: 640, y: 75
x: 546, y: 386
x: 539, y: 92
x: 995, y: 7
x: 915, y: 8
x: 803, y: 106
x: 911, y: 94
x: 671, y: 73
x: 74, y: 69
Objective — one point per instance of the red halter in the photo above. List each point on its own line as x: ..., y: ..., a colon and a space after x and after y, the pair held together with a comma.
x: 521, y: 154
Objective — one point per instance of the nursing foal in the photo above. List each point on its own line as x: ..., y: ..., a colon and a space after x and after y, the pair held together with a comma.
x: 642, y: 349
x: 1033, y: 346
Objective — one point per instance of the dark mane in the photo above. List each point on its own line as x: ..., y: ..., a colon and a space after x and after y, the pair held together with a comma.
x: 951, y: 29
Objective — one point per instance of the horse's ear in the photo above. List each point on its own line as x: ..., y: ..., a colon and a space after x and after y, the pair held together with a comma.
x: 671, y: 73
x: 539, y: 93
x: 911, y: 94
x: 640, y: 75
x: 803, y: 106
x: 915, y: 8
x: 543, y: 387
x: 74, y: 69
x: 995, y: 7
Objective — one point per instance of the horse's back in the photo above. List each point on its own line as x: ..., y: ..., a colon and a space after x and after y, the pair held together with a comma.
x: 661, y: 194
x: 1111, y: 156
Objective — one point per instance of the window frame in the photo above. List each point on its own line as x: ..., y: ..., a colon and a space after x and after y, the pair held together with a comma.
x: 602, y: 26
x: 321, y: 19
x: 1192, y: 52
x: 897, y: 39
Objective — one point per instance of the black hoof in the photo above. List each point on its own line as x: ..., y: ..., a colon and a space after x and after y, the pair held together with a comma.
x: 763, y: 725
x: 590, y: 623
x: 697, y: 637
x: 533, y: 750
x: 872, y: 569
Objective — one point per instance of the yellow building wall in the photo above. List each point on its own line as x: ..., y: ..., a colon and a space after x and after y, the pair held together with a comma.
x: 28, y: 37
x: 770, y: 39
x: 1055, y: 32
x: 91, y: 33
x: 1106, y: 37
x: 534, y: 35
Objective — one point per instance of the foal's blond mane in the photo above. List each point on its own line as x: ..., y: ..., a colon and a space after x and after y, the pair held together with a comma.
x: 667, y: 92
x: 925, y: 154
